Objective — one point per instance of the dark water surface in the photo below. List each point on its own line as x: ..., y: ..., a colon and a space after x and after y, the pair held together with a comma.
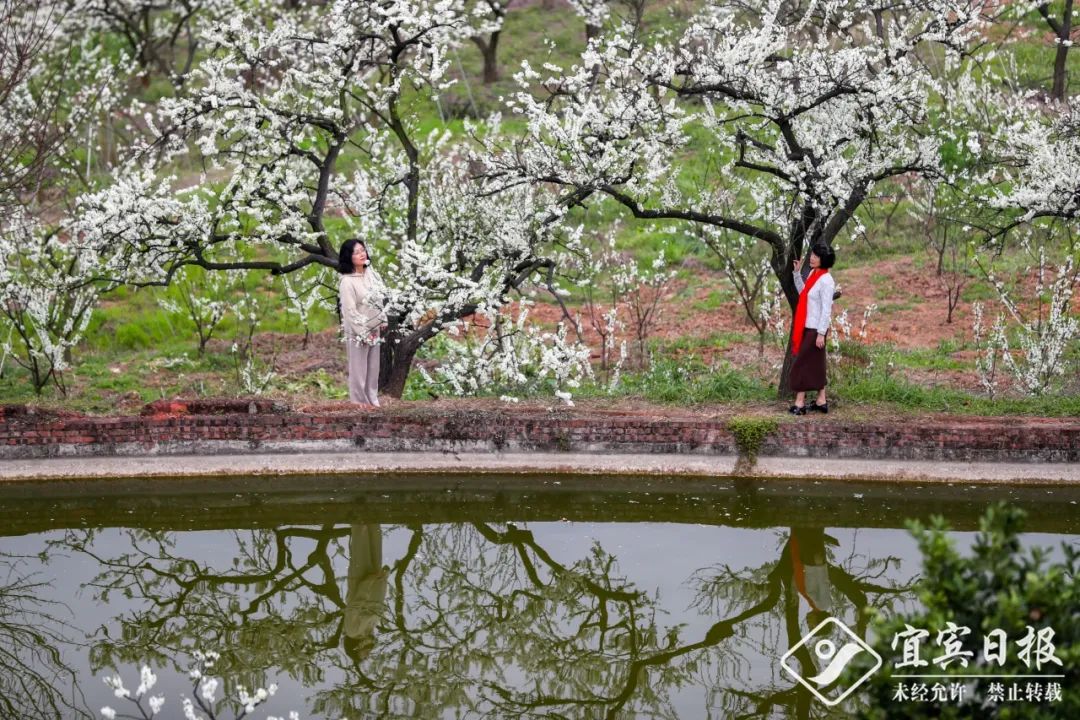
x: 433, y: 597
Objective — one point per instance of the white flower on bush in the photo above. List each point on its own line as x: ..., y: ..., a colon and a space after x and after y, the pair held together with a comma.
x: 1042, y: 325
x: 509, y: 351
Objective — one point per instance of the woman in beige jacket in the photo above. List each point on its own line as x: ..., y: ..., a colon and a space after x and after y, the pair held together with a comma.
x: 362, y: 295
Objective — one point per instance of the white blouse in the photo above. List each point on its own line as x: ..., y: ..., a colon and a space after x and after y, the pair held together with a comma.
x: 362, y: 296
x: 818, y: 301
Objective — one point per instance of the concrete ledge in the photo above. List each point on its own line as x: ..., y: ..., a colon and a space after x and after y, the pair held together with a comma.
x: 472, y: 463
x: 256, y: 437
x: 239, y: 426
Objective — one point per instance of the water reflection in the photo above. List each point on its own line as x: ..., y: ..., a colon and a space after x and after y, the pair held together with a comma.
x: 477, y: 618
x: 376, y: 612
x: 365, y: 598
x: 35, y: 679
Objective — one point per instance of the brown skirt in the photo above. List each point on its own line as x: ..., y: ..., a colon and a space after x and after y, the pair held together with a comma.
x: 808, y: 368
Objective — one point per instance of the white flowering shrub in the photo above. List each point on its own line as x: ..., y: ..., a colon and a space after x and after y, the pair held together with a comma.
x: 253, y: 373
x: 990, y: 344
x: 602, y: 303
x: 746, y: 266
x: 849, y: 351
x: 200, y: 298
x: 48, y: 293
x: 507, y: 352
x: 1031, y: 257
x: 1034, y: 346
x: 773, y: 315
x: 642, y: 287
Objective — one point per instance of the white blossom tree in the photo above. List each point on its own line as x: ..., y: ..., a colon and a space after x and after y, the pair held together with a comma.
x: 28, y: 135
x: 1034, y: 194
x: 795, y: 117
x: 47, y: 297
x: 1059, y: 18
x: 52, y: 86
x: 307, y: 127
x: 485, y: 23
x: 594, y: 12
x: 1038, y: 176
x: 160, y: 36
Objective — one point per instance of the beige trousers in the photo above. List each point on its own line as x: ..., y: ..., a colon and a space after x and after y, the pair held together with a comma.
x: 363, y: 362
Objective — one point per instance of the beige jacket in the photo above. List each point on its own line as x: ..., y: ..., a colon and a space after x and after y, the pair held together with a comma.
x: 362, y: 297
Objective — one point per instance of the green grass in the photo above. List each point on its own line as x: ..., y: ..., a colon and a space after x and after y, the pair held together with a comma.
x: 930, y: 359
x: 686, y: 382
x: 714, y: 300
x: 898, y: 393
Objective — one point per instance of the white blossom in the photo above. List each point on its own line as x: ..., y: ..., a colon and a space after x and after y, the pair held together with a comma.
x: 147, y: 680
x: 156, y: 703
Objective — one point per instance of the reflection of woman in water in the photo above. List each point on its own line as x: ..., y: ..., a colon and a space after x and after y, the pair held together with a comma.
x: 810, y: 568
x: 365, y: 593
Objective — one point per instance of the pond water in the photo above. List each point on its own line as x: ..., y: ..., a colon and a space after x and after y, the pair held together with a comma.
x: 443, y: 597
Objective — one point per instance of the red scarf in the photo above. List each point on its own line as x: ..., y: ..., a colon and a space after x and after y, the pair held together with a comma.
x: 799, y: 571
x: 799, y: 325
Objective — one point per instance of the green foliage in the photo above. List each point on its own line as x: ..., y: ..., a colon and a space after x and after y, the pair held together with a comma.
x: 931, y: 358
x: 328, y: 386
x: 689, y: 381
x: 750, y: 433
x: 855, y: 352
x: 715, y: 300
x: 131, y: 336
x: 999, y: 585
x: 893, y: 389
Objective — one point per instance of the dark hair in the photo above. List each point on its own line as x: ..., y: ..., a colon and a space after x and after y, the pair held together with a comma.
x: 344, y: 265
x: 825, y: 254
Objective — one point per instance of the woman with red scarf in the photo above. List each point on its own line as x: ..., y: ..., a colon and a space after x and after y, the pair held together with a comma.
x: 812, y: 317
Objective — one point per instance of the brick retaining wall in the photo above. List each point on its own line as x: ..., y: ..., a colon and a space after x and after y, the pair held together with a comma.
x: 239, y: 426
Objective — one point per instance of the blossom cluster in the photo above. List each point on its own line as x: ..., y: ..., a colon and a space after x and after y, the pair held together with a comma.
x: 203, y: 703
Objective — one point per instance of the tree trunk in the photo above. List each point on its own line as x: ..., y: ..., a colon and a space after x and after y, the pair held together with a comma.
x: 1060, y: 72
x: 592, y: 32
x: 489, y: 51
x: 395, y: 362
x: 783, y: 386
x: 1063, y: 33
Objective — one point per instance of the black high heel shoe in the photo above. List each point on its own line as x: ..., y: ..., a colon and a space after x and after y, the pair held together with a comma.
x: 796, y: 410
x: 823, y: 408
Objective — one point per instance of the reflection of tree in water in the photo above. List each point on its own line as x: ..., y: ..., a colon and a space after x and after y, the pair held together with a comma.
x: 477, y: 618
x: 35, y: 682
x: 275, y: 602
x: 807, y: 574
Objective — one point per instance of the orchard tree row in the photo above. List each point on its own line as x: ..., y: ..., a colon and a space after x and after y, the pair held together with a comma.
x: 288, y: 127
